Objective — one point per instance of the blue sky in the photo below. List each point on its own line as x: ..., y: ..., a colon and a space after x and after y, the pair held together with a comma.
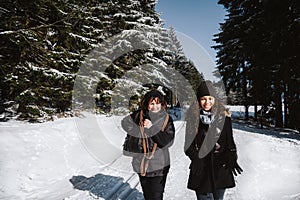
x: 196, y: 21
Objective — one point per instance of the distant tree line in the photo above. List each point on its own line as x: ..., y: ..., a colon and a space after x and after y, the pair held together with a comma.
x: 258, y: 56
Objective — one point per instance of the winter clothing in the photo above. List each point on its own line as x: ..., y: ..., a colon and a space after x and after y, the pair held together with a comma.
x: 153, y: 163
x: 206, y: 117
x: 232, y: 165
x: 212, y: 150
x: 159, y: 164
x: 153, y: 187
x: 217, y: 195
x: 206, y: 89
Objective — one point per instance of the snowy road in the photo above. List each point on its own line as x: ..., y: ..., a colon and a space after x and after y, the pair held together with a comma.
x: 54, y: 161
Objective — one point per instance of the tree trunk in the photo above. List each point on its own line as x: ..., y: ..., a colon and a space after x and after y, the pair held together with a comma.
x: 246, y: 112
x: 255, y: 111
x: 294, y: 114
x: 245, y: 97
x: 261, y: 117
x: 278, y: 106
x: 285, y: 103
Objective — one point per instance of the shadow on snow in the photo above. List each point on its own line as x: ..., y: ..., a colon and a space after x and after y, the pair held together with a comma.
x: 274, y: 132
x: 106, y: 186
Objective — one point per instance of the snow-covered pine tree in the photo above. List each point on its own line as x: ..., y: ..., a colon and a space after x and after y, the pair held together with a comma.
x: 44, y: 44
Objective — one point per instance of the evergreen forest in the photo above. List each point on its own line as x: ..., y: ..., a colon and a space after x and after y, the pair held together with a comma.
x: 258, y: 57
x: 66, y: 55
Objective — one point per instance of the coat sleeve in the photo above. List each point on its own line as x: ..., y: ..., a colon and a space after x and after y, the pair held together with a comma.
x: 191, y: 151
x: 230, y: 144
x: 190, y: 142
x: 166, y: 138
x: 128, y: 123
x: 191, y: 131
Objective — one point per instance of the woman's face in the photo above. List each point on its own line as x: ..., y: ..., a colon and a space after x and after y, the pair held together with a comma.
x: 154, y: 106
x: 207, y: 102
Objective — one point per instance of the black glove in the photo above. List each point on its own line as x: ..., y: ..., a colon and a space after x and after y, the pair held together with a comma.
x: 197, y: 166
x: 235, y: 169
x: 232, y: 164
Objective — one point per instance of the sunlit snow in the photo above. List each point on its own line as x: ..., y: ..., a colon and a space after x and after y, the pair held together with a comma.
x: 53, y: 160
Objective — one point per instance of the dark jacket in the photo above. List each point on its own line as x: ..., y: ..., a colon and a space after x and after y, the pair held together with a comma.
x: 213, y: 174
x: 159, y: 165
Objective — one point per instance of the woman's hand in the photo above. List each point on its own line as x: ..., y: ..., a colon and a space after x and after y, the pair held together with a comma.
x: 147, y: 123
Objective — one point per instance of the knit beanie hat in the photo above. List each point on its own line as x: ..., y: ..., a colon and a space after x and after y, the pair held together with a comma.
x: 206, y: 88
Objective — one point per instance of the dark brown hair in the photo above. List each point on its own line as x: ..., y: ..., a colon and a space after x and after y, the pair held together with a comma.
x: 150, y: 96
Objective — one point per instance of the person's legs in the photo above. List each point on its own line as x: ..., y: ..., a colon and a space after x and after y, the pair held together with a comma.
x: 153, y: 187
x: 219, y: 194
x: 207, y: 196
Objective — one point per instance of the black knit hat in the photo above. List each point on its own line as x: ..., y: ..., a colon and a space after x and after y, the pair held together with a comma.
x: 206, y: 88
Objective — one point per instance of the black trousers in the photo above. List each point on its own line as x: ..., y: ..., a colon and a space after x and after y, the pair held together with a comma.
x: 216, y: 195
x: 153, y: 187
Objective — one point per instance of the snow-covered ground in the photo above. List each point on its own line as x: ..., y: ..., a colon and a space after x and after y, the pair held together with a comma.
x: 80, y: 158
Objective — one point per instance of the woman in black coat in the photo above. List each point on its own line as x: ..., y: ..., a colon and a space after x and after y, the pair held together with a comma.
x: 210, y: 146
x: 153, y: 132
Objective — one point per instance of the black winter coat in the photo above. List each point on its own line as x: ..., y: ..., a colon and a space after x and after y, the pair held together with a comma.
x: 159, y: 165
x: 214, y: 173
